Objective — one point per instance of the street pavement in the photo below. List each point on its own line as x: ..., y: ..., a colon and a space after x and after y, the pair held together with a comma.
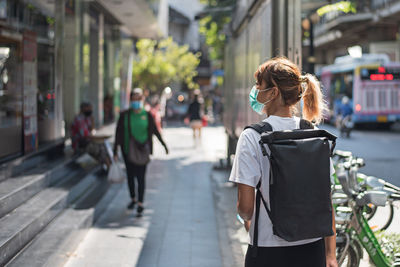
x: 179, y: 226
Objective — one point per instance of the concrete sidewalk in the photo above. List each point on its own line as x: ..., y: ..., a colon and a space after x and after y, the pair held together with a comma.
x: 179, y: 223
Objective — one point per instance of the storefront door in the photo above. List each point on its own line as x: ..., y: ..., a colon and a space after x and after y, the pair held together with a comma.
x: 11, y: 105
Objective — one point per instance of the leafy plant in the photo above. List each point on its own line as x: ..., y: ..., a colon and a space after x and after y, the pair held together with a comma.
x: 159, y: 63
x: 390, y: 243
x: 343, y: 6
x: 212, y: 26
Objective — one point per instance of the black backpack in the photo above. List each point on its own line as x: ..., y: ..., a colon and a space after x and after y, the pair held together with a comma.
x: 300, y: 201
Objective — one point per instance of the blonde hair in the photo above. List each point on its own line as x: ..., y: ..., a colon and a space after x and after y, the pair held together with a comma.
x: 286, y: 76
x: 314, y: 104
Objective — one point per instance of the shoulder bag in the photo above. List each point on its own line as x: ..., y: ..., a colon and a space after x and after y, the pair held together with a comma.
x: 138, y: 153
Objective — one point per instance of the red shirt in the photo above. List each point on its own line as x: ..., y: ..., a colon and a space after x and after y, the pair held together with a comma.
x: 155, y: 111
x: 80, y: 129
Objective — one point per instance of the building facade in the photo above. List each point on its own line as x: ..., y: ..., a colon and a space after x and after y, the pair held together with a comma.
x: 56, y: 54
x: 184, y: 29
x: 374, y: 25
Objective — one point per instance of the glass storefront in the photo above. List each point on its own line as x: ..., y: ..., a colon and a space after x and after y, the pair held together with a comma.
x: 110, y: 61
x: 27, y: 103
x: 10, y: 98
x: 100, y: 58
x: 46, y: 94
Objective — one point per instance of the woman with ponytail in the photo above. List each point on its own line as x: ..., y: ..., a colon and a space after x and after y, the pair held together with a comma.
x: 280, y: 88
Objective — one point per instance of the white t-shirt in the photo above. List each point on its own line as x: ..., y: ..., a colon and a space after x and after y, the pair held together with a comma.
x: 249, y: 166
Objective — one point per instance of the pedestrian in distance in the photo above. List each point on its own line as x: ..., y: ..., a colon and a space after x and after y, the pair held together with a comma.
x: 194, y: 116
x: 344, y: 116
x: 85, y: 139
x: 279, y: 88
x: 134, y: 132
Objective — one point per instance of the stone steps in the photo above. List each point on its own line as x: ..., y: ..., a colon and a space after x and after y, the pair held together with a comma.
x: 20, y: 165
x: 16, y: 190
x: 24, y: 222
x: 54, y: 245
x: 48, y: 201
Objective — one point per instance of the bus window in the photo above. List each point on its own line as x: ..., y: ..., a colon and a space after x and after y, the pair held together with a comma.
x: 342, y: 85
x: 395, y: 99
x: 370, y: 99
x: 382, y: 99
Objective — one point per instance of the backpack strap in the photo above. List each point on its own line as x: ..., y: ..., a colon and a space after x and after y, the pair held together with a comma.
x: 263, y: 126
x: 259, y: 199
x: 257, y: 215
x: 305, y: 124
x: 260, y: 127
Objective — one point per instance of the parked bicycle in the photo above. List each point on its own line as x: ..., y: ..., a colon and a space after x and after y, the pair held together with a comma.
x: 353, y: 230
x: 364, y: 182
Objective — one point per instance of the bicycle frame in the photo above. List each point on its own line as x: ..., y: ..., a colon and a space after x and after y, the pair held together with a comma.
x: 365, y: 235
x: 356, y: 226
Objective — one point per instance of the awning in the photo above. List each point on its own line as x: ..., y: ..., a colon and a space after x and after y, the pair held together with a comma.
x: 137, y: 17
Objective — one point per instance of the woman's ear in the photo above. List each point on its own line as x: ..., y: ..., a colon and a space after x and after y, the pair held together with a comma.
x: 274, y: 92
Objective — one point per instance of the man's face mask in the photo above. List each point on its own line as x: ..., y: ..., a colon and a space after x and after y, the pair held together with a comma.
x: 255, y: 105
x: 136, y: 104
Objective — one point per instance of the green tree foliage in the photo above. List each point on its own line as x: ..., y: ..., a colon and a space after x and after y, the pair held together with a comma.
x: 212, y: 26
x: 159, y: 63
x: 344, y: 6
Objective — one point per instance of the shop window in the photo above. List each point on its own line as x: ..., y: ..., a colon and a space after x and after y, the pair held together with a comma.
x: 10, y: 101
x: 45, y: 81
x: 46, y: 97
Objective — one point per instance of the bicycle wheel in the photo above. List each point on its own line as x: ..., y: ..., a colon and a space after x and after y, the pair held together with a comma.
x: 351, y: 257
x: 359, y: 248
x: 381, y: 217
x: 369, y: 211
x: 390, y: 218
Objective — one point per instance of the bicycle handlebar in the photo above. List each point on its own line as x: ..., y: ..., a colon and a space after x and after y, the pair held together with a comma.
x: 394, y: 196
x: 342, y: 154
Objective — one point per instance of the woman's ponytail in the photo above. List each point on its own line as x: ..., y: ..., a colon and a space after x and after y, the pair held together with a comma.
x: 314, y: 105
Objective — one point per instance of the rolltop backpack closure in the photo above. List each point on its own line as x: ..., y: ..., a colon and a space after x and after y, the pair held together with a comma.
x: 300, y: 190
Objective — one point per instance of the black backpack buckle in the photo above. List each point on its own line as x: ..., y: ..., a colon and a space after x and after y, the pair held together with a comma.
x: 263, y: 150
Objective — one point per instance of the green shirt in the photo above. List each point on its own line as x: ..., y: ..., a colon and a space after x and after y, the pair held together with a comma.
x: 139, y: 127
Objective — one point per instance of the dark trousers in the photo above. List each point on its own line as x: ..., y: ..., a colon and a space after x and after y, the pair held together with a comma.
x: 308, y: 255
x: 138, y: 172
